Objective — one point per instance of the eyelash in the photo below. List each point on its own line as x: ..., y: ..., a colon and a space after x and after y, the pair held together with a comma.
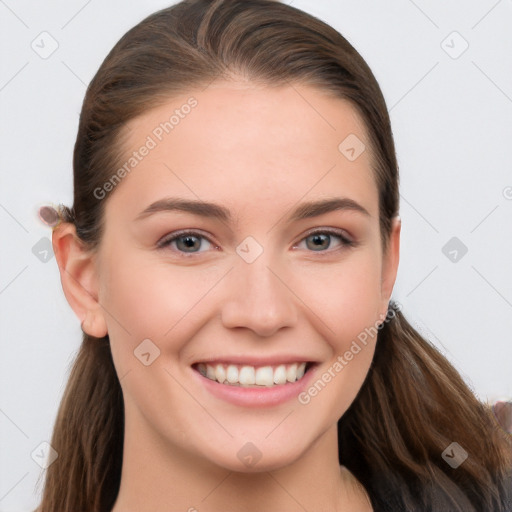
x: 345, y: 242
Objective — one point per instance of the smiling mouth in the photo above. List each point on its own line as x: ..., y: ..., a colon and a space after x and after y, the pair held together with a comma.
x: 254, y: 376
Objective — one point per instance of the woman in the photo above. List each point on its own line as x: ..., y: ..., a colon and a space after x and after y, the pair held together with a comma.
x: 231, y: 253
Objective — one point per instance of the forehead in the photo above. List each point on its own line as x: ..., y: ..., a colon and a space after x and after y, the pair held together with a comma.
x: 235, y: 141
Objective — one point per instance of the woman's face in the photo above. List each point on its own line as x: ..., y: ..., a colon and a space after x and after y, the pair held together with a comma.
x: 251, y: 287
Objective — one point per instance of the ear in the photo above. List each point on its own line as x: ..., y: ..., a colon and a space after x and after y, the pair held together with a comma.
x: 78, y: 276
x: 390, y: 264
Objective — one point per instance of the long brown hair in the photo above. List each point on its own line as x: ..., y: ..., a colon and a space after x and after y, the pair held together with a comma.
x: 413, y: 403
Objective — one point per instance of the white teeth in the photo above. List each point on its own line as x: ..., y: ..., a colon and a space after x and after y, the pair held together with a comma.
x: 220, y: 373
x: 265, y: 376
x: 231, y: 374
x: 210, y: 372
x: 246, y: 376
x: 301, y: 370
x: 280, y: 374
x: 249, y: 375
x: 291, y: 373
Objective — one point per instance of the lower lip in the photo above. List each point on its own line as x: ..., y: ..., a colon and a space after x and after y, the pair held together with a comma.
x: 257, y: 396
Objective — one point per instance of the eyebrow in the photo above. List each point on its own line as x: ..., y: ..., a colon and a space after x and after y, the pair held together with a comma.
x: 207, y: 209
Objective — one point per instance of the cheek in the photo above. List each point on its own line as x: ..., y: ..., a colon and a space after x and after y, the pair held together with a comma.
x: 350, y: 309
x: 149, y: 299
x: 147, y: 295
x: 345, y: 297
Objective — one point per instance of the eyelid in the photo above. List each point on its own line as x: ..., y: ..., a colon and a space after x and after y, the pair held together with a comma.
x: 170, y: 237
x: 346, y: 240
x: 329, y: 231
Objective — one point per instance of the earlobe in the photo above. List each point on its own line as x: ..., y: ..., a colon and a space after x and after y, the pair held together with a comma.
x: 79, y: 280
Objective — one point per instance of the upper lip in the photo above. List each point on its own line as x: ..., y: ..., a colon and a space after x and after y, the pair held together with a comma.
x: 256, y: 360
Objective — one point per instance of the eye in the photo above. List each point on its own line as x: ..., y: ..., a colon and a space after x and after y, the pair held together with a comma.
x: 187, y: 241
x: 320, y: 240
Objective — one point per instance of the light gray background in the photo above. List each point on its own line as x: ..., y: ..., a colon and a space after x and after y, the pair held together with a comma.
x: 452, y: 120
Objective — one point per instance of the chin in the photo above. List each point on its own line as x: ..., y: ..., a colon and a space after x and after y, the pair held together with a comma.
x: 257, y: 457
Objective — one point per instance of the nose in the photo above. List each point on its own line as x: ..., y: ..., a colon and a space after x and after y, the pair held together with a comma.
x: 258, y: 297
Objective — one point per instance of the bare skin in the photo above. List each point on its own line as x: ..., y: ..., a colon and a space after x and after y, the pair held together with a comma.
x: 259, y: 152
